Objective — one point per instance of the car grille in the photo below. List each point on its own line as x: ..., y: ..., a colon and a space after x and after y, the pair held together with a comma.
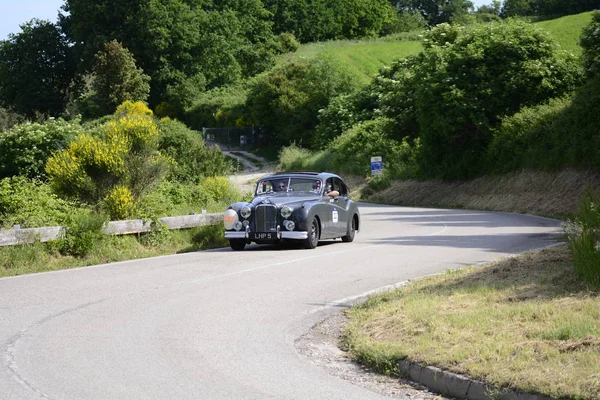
x: 266, y: 218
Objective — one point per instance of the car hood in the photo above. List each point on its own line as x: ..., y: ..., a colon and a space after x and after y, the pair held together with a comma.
x: 285, y: 199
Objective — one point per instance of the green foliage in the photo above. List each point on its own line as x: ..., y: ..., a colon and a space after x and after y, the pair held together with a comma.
x: 31, y: 204
x: 115, y: 79
x: 286, y: 102
x: 546, y: 8
x: 468, y: 78
x: 126, y: 154
x: 192, y: 161
x: 84, y: 232
x: 217, y: 107
x: 436, y: 11
x: 529, y: 139
x: 590, y: 41
x: 319, y: 20
x: 36, y: 69
x: 295, y: 158
x: 584, y: 239
x: 174, y: 41
x: 176, y: 198
x: 352, y: 151
x: 25, y: 148
x: 8, y: 119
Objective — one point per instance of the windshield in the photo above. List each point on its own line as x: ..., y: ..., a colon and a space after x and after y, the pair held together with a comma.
x: 289, y: 184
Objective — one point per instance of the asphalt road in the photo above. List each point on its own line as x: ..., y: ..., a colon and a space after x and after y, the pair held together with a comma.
x: 222, y: 325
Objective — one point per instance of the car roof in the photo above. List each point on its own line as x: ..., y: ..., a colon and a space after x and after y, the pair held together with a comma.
x: 303, y: 174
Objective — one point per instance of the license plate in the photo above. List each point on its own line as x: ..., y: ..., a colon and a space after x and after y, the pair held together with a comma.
x: 262, y: 236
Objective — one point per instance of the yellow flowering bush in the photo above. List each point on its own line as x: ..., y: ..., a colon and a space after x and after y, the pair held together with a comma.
x: 132, y: 108
x: 218, y: 188
x: 115, y: 167
x: 120, y: 203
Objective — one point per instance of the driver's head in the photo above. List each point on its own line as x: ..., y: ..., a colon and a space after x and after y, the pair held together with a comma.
x: 316, y: 185
x: 281, y: 185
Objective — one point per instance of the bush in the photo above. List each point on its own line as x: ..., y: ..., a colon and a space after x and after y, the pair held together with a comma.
x: 527, y: 139
x: 219, y: 107
x: 352, y: 151
x: 469, y: 78
x: 31, y: 204
x: 590, y: 42
x: 584, y: 239
x: 126, y: 154
x: 285, y: 103
x: 84, y: 231
x: 192, y: 161
x: 25, y: 148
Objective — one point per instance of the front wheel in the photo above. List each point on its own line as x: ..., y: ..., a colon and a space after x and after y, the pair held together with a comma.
x: 351, y: 232
x: 313, y: 235
x: 237, y: 244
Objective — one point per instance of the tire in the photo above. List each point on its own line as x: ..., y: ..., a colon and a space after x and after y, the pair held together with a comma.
x: 313, y: 235
x: 237, y: 244
x: 352, y: 232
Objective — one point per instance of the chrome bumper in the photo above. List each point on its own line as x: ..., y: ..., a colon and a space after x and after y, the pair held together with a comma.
x: 280, y: 235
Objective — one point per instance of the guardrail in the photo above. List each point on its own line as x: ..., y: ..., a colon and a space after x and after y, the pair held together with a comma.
x: 17, y: 236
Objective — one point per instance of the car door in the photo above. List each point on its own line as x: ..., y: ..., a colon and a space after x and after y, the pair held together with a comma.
x: 341, y: 204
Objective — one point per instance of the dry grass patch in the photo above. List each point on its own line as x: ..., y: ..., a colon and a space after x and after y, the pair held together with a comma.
x: 543, y: 193
x: 527, y: 323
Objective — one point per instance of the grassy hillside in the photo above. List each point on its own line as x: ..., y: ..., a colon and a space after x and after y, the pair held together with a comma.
x: 363, y: 58
x: 567, y: 29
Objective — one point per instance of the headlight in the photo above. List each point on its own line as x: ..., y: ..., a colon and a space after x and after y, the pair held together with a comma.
x: 246, y: 212
x: 289, y: 225
x: 286, y: 212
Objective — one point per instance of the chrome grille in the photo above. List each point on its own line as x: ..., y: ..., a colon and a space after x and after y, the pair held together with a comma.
x: 266, y: 218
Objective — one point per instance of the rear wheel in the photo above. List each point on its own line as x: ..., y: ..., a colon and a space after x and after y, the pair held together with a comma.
x: 351, y: 232
x: 237, y: 244
x: 313, y: 235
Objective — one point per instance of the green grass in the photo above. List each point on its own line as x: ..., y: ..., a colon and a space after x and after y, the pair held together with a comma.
x: 39, y: 257
x: 526, y: 323
x: 363, y: 58
x: 567, y: 30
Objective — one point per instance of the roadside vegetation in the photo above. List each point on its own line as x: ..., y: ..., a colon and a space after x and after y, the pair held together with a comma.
x: 468, y: 108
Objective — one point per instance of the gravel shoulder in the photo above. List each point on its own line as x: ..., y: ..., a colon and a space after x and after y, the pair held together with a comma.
x: 320, y: 347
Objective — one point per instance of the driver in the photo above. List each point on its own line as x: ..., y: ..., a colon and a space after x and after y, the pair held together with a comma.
x: 316, y: 186
x: 281, y: 187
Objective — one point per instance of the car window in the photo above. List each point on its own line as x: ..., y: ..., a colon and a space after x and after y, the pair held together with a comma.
x: 289, y: 184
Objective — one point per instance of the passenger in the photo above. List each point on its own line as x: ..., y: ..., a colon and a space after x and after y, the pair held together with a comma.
x: 316, y: 187
x: 330, y: 192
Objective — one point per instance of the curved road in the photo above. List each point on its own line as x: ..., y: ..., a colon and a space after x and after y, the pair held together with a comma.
x: 222, y: 325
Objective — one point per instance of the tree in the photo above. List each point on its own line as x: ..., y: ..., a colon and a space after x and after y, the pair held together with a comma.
x: 36, y: 69
x: 436, y: 11
x: 469, y: 78
x: 590, y: 42
x: 285, y: 104
x: 116, y: 79
x: 513, y: 8
x: 173, y: 40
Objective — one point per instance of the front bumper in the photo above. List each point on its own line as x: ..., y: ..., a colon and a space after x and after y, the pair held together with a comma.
x: 280, y: 235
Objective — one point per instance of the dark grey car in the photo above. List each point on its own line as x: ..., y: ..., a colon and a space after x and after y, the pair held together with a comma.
x: 303, y: 206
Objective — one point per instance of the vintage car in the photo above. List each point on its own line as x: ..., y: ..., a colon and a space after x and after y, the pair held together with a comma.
x: 300, y: 206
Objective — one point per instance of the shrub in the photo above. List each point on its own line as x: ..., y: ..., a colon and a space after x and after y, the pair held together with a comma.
x: 285, y: 103
x: 31, y: 204
x: 469, y: 78
x: 352, y: 151
x: 527, y: 139
x: 584, y: 239
x: 590, y: 42
x: 191, y: 159
x: 120, y: 203
x: 25, y: 148
x: 228, y: 102
x: 84, y: 231
x: 125, y: 154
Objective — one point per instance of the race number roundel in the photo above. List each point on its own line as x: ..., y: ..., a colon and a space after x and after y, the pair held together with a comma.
x: 229, y: 219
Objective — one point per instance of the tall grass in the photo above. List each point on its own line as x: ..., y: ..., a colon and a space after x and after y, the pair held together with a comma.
x: 584, y: 239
